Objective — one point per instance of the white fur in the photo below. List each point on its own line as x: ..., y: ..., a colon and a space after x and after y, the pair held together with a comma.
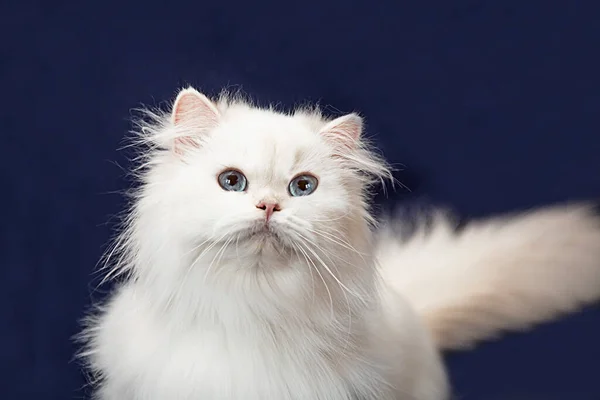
x: 205, y: 310
x: 506, y: 273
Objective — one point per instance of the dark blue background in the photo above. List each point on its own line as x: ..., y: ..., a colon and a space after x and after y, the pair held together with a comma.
x: 491, y: 106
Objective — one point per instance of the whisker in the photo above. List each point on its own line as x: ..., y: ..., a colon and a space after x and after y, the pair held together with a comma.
x: 190, y: 267
x: 306, y: 242
x: 223, y: 246
x: 344, y: 290
x: 326, y: 235
x: 312, y: 277
x: 339, y: 241
x: 308, y: 260
x: 344, y: 215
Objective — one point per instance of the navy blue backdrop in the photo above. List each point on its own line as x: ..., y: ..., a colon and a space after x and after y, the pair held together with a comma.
x: 490, y: 106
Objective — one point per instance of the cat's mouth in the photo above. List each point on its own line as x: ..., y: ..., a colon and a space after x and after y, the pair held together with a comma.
x: 265, y: 233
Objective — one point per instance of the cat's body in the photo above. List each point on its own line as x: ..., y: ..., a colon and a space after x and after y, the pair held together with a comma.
x: 150, y: 358
x: 274, y: 286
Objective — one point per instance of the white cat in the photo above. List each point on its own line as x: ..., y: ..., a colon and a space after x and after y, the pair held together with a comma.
x: 253, y: 270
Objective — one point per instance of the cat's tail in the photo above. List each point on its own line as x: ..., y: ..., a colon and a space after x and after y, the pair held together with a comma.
x: 473, y: 282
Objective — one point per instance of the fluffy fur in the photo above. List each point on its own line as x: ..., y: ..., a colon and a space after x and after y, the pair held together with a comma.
x: 216, y: 304
x: 495, y: 275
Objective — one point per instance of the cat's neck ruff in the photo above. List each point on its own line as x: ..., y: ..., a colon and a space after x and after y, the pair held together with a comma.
x: 243, y: 289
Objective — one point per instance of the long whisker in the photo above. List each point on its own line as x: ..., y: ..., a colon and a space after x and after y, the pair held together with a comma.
x: 193, y: 249
x: 330, y: 254
x: 217, y: 254
x: 237, y: 237
x: 337, y: 240
x: 344, y: 215
x: 329, y: 236
x: 312, y: 277
x: 311, y: 262
x: 190, y: 267
x: 306, y: 243
x: 344, y: 290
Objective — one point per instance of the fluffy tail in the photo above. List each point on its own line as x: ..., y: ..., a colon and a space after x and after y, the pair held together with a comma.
x: 496, y: 275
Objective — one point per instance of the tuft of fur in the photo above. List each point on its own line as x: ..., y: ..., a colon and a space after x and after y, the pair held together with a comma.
x: 495, y: 275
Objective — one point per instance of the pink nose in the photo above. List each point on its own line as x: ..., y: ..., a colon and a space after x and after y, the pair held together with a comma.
x: 269, y: 207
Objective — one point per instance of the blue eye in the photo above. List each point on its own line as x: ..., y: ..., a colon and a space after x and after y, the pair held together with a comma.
x: 303, y: 185
x: 232, y: 181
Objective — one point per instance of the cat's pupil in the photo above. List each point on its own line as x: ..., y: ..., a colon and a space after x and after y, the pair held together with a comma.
x: 303, y: 184
x: 232, y: 180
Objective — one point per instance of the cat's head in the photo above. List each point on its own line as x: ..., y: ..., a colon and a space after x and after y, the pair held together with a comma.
x: 254, y: 183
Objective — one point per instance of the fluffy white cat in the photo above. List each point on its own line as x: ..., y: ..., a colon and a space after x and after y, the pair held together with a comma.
x: 253, y: 271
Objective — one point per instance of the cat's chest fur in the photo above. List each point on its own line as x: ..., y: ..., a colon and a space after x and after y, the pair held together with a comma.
x: 157, y: 361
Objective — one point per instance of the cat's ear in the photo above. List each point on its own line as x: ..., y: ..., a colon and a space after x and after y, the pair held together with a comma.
x: 195, y: 114
x: 344, y: 132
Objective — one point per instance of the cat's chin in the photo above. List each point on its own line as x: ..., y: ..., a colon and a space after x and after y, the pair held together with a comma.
x: 267, y: 238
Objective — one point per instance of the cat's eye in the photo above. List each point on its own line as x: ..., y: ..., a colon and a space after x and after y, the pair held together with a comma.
x: 303, y: 185
x: 232, y: 180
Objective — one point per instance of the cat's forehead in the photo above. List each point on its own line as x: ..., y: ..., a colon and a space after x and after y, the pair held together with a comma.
x: 261, y: 137
x: 256, y: 123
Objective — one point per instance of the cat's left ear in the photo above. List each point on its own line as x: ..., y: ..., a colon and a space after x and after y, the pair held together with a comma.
x: 344, y: 132
x: 195, y: 114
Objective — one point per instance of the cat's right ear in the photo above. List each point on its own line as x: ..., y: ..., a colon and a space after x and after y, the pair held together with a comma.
x: 193, y: 114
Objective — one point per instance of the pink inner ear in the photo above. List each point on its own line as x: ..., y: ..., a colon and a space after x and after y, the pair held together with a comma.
x: 196, y: 114
x: 184, y: 108
x: 344, y: 131
x: 195, y: 109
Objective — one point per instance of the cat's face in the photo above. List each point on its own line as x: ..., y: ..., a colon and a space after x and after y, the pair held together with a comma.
x: 261, y: 181
x: 254, y: 186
